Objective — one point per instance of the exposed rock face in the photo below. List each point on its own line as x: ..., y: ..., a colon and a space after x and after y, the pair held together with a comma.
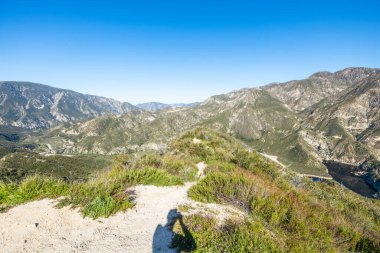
x: 36, y: 106
x: 349, y: 122
x: 301, y: 94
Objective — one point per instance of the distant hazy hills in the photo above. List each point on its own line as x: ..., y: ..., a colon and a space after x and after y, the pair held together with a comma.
x: 327, y: 116
x: 155, y: 106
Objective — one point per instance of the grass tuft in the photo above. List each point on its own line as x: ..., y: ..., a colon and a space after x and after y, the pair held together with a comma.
x: 32, y: 188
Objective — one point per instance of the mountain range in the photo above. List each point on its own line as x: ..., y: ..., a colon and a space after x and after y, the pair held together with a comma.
x: 301, y: 123
x: 36, y: 106
x: 155, y: 106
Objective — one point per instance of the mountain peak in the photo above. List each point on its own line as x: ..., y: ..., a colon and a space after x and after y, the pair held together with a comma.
x: 321, y: 74
x: 351, y: 74
x: 354, y: 75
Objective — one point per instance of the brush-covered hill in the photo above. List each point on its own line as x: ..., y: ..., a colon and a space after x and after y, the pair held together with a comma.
x: 281, y: 211
x: 262, y: 117
x: 36, y: 106
x: 252, y: 115
x: 339, y: 122
x: 284, y: 212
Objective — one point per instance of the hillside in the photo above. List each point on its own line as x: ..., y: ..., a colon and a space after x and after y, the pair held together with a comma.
x: 339, y: 124
x: 252, y: 115
x: 36, y: 106
x: 348, y: 123
x: 237, y: 201
x: 257, y: 116
x: 301, y: 94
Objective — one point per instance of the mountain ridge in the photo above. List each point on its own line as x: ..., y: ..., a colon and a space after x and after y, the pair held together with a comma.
x: 38, y: 106
x: 155, y: 106
x: 256, y: 116
x: 270, y: 119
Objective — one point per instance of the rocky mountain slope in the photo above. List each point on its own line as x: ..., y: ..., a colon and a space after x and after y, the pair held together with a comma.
x: 301, y: 94
x: 348, y: 124
x: 252, y: 115
x: 37, y: 106
x: 261, y: 117
x: 247, y: 113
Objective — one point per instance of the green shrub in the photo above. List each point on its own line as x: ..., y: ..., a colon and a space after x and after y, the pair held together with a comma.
x: 100, y: 207
x: 174, y: 165
x: 150, y: 176
x: 148, y: 160
x: 32, y: 188
x: 224, y: 188
x: 233, y: 236
x: 302, y: 217
x: 107, y: 194
x: 180, y: 167
x: 40, y: 187
x: 101, y: 196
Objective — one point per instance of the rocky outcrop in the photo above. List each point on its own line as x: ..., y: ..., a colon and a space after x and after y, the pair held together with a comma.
x: 301, y: 94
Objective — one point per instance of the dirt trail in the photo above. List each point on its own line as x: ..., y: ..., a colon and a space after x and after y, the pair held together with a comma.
x: 274, y: 159
x: 39, y: 227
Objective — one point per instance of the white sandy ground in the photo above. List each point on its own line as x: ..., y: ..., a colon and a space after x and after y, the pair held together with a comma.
x: 40, y: 227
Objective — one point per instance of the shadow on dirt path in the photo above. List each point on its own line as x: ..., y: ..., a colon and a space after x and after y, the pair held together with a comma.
x: 164, y: 235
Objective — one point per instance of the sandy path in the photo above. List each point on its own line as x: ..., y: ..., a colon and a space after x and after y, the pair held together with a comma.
x: 39, y: 227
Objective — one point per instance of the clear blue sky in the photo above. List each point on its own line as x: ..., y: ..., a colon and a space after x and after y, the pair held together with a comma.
x: 182, y: 51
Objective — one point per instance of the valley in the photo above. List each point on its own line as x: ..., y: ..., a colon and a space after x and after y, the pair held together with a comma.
x: 285, y: 167
x: 205, y: 188
x: 189, y: 126
x: 328, y: 116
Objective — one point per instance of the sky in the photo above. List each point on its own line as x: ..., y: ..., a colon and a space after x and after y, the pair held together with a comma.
x: 182, y: 51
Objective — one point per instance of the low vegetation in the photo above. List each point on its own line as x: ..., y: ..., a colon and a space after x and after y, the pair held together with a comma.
x: 31, y: 188
x: 108, y: 193
x: 16, y: 166
x: 105, y: 193
x: 285, y: 212
x: 178, y: 165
